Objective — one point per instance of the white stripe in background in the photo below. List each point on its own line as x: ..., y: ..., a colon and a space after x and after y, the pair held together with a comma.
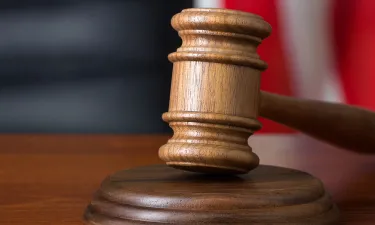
x: 208, y: 3
x: 307, y: 34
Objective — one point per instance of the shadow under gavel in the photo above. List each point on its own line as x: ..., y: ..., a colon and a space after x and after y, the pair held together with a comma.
x: 345, y: 126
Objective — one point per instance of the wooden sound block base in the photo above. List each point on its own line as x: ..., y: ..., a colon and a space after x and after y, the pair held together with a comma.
x: 159, y: 194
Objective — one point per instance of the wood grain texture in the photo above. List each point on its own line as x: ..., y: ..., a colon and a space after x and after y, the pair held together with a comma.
x: 345, y: 126
x: 159, y: 195
x: 215, y: 91
x: 50, y: 179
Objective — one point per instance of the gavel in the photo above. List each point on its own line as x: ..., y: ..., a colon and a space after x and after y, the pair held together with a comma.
x: 215, y: 98
x: 213, y: 176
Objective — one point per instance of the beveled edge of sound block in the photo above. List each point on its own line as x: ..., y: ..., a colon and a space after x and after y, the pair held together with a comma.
x: 159, y: 194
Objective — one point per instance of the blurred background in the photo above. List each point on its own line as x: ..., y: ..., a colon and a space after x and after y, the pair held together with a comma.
x: 86, y: 66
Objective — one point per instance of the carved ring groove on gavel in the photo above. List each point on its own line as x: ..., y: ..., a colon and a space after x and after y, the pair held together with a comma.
x: 214, y: 96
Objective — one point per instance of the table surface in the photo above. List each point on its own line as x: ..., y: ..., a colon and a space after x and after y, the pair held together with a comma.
x: 49, y: 179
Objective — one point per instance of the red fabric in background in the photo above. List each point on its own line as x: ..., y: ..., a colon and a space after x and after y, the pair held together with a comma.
x: 276, y: 78
x: 354, y: 41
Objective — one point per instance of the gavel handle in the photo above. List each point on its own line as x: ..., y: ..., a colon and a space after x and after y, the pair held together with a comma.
x: 345, y: 126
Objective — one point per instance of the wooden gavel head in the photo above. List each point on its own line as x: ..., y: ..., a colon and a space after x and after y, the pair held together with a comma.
x: 214, y: 97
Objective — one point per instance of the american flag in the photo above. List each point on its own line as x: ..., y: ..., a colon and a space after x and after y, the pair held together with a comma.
x: 318, y: 49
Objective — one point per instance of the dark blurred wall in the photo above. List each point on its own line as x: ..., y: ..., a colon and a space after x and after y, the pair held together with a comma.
x: 79, y: 66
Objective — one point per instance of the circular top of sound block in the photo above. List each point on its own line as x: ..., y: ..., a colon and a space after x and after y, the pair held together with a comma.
x: 159, y: 194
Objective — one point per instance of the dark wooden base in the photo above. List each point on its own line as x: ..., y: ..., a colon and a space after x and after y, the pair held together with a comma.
x: 160, y: 194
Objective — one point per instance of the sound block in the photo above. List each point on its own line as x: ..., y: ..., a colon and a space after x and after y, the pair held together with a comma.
x: 159, y: 194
